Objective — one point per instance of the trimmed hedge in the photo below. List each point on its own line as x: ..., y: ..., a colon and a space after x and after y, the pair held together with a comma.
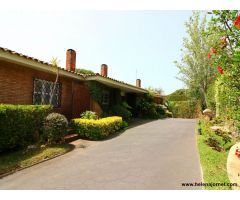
x: 20, y: 125
x: 97, y: 129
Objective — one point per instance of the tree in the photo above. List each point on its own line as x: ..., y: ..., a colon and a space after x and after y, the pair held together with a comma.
x: 195, y: 69
x: 55, y: 63
x: 158, y: 90
x: 227, y: 60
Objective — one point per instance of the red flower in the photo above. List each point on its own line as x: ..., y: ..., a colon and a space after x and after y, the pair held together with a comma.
x: 212, y: 51
x: 237, y: 152
x: 237, y: 22
x: 220, y: 69
x: 209, y: 55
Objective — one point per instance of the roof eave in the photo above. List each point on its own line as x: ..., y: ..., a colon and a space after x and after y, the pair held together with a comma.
x: 34, y: 64
x: 116, y: 84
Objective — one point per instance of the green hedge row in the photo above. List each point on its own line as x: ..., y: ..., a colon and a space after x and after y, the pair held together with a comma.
x: 21, y: 125
x: 97, y: 129
x: 184, y: 109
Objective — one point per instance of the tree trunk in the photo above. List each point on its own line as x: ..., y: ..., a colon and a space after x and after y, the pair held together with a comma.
x: 54, y: 87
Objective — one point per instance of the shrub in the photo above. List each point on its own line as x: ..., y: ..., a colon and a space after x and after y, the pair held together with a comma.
x: 148, y: 109
x: 169, y: 114
x: 55, y: 127
x: 89, y: 115
x: 97, y: 129
x: 122, y: 111
x: 21, y: 125
x: 184, y: 109
x: 124, y: 125
x: 178, y: 95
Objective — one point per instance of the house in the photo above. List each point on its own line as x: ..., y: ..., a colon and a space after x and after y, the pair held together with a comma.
x: 27, y: 80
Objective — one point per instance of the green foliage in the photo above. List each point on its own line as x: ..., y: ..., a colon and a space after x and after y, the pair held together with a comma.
x: 219, y: 140
x: 228, y: 57
x: 97, y: 129
x: 96, y: 90
x: 195, y: 69
x: 184, y: 109
x: 210, y: 96
x: 89, y: 115
x: 20, y: 125
x: 55, y: 127
x: 84, y: 71
x: 148, y: 109
x: 124, y: 125
x: 122, y: 111
x: 178, y: 95
x: 153, y: 90
x: 213, y: 155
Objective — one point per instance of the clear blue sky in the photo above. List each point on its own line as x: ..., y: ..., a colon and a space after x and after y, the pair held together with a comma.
x: 146, y: 41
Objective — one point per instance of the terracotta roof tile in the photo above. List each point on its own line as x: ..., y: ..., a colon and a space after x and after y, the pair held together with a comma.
x: 36, y: 60
x: 46, y: 63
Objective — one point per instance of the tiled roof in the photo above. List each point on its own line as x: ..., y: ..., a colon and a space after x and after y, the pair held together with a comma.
x: 97, y: 74
x: 50, y: 65
x: 37, y: 60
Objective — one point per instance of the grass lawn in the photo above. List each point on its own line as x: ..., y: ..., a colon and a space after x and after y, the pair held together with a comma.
x: 23, y: 158
x: 213, y: 165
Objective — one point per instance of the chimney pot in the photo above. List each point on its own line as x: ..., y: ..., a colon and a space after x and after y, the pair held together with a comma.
x: 71, y: 60
x: 104, y: 70
x: 138, y: 82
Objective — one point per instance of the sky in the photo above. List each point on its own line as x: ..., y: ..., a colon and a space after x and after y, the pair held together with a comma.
x: 134, y: 44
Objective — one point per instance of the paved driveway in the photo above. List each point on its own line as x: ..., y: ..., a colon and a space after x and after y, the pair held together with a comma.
x: 160, y: 154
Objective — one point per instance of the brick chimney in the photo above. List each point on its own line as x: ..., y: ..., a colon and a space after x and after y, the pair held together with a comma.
x: 138, y: 82
x: 71, y: 60
x: 104, y: 70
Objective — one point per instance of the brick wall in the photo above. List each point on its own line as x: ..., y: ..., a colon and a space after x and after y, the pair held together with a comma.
x: 16, y: 87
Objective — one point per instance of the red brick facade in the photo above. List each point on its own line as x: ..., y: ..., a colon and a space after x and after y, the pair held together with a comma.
x: 16, y: 87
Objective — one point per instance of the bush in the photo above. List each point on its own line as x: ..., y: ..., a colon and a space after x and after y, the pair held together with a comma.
x: 97, y: 129
x: 184, y: 109
x: 178, y: 95
x: 148, y: 109
x: 89, y: 115
x: 124, y: 125
x: 21, y: 125
x: 122, y: 111
x: 169, y: 114
x: 55, y: 127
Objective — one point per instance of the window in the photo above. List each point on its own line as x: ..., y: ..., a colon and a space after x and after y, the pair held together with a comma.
x: 43, y: 90
x: 105, y: 98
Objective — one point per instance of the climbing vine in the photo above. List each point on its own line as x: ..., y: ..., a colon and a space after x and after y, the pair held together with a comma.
x: 96, y: 90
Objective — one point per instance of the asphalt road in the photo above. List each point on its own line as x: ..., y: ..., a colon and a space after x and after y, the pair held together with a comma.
x: 160, y: 154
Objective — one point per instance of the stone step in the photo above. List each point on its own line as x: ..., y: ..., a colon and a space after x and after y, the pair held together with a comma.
x: 71, y: 137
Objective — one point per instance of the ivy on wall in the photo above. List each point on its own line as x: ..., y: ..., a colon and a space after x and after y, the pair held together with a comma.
x: 96, y: 90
